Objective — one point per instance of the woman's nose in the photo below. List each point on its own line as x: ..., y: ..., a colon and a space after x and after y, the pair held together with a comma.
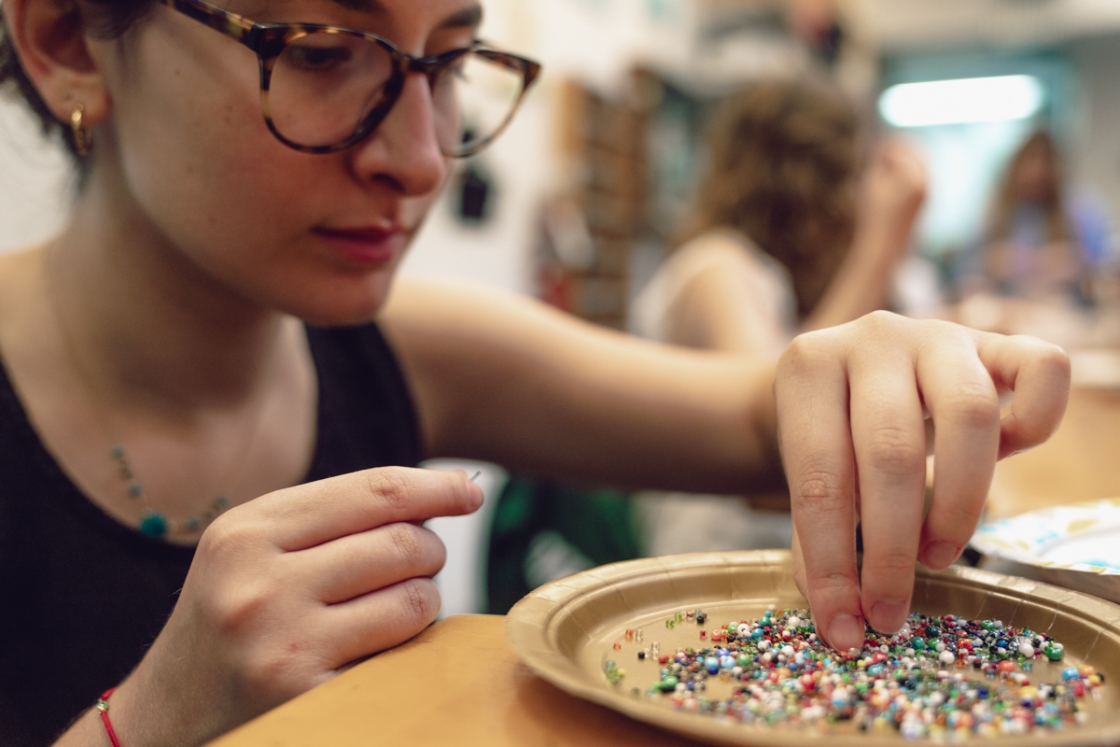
x: 404, y: 149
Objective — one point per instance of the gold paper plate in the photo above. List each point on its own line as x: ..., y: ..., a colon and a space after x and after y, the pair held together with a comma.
x: 565, y: 631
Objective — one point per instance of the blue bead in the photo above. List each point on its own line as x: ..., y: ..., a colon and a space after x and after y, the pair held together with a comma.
x: 154, y: 525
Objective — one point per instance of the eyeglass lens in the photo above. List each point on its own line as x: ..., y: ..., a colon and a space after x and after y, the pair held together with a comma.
x: 324, y: 85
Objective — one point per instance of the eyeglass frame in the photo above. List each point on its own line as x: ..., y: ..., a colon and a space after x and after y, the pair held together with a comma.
x: 268, y: 41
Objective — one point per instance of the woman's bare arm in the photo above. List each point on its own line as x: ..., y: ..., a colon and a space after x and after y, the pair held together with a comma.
x: 506, y: 379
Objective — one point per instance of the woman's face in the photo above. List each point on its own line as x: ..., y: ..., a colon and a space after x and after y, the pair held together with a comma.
x: 318, y: 236
x: 1037, y: 176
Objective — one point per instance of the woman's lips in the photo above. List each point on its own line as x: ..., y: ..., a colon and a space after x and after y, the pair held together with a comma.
x: 371, y: 245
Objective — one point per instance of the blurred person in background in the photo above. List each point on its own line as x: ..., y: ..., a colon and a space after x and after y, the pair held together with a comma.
x: 787, y: 235
x: 1045, y: 263
x: 1039, y: 244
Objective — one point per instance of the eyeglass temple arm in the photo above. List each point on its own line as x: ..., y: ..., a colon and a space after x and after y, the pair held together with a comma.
x: 230, y: 24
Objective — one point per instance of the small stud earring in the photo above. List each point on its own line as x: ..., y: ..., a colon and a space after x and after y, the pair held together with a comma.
x: 83, y: 137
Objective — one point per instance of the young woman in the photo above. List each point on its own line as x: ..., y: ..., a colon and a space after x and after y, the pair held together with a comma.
x: 1039, y: 244
x: 198, y: 343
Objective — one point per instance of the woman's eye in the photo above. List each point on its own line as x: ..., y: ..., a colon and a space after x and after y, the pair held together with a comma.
x: 458, y: 68
x: 318, y: 57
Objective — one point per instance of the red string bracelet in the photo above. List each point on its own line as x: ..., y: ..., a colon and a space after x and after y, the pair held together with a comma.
x: 103, y: 706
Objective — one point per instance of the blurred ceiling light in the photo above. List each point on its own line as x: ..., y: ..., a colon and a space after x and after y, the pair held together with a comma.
x: 943, y: 102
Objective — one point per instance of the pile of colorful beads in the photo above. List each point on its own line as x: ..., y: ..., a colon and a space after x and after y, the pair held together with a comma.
x: 917, y: 682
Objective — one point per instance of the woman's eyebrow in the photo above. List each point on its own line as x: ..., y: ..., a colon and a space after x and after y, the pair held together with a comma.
x: 466, y: 18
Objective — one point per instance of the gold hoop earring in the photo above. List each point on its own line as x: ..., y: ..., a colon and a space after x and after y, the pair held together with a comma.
x: 83, y: 136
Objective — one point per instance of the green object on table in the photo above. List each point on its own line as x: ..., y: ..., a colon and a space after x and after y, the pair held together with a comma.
x: 541, y: 526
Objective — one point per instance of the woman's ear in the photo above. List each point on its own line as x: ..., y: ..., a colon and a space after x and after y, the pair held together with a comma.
x: 52, y: 47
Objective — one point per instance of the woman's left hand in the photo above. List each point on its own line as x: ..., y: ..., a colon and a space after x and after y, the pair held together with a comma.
x: 853, y: 403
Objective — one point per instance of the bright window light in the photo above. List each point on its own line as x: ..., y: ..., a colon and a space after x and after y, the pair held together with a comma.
x: 943, y: 102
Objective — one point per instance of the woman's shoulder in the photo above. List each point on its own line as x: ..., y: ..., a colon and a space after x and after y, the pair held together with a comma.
x: 20, y: 284
x: 721, y: 251
x: 725, y: 249
x: 19, y: 266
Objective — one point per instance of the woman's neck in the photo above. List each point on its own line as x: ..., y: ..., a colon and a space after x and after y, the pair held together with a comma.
x: 149, y: 326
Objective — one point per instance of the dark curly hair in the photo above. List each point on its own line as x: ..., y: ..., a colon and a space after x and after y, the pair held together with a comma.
x: 100, y: 19
x: 783, y: 163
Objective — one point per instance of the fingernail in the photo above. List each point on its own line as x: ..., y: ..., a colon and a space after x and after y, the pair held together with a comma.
x: 476, y: 494
x: 845, y: 632
x: 941, y: 555
x: 887, y: 617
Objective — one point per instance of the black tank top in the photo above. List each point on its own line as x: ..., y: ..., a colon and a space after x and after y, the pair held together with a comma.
x: 82, y: 596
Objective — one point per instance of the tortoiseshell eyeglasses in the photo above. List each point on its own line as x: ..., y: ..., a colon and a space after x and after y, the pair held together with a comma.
x: 325, y: 88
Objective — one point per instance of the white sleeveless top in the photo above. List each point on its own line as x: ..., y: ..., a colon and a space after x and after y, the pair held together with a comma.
x: 767, y: 296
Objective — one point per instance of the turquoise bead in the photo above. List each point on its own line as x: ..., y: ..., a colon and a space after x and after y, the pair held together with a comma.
x: 154, y: 525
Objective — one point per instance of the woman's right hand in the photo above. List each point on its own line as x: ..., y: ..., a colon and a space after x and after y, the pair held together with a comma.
x: 284, y: 592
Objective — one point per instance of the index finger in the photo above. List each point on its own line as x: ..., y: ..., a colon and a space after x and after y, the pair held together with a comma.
x: 815, y: 439
x: 311, y: 514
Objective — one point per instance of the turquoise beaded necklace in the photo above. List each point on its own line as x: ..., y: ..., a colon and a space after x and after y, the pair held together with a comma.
x: 155, y: 523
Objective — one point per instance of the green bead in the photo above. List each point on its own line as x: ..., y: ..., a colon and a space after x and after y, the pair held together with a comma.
x: 154, y: 525
x: 117, y: 452
x: 135, y: 489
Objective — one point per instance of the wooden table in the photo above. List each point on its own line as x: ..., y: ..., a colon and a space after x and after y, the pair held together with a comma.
x: 1080, y: 462
x: 457, y: 683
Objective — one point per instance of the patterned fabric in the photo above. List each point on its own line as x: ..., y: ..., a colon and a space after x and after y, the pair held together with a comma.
x: 83, y: 596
